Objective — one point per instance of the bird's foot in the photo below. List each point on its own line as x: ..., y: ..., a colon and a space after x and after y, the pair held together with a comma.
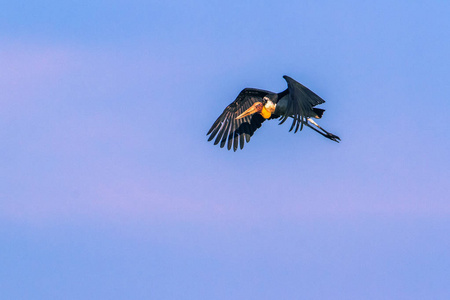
x: 333, y: 137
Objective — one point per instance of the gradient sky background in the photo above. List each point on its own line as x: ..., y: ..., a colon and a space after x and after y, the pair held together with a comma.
x: 109, y: 189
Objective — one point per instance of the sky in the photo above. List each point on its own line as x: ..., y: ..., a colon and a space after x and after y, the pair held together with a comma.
x: 110, y: 190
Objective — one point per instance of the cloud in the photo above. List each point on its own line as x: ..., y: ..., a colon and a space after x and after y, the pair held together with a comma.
x: 28, y: 71
x: 106, y: 134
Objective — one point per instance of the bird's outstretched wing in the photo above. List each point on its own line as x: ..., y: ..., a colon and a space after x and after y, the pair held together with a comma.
x: 237, y: 132
x: 300, y: 104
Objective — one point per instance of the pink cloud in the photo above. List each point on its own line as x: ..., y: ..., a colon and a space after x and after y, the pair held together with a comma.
x: 110, y: 185
x: 128, y: 199
x: 29, y: 66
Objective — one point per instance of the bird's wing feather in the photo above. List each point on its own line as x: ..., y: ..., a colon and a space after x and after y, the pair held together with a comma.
x: 237, y: 132
x: 301, y: 101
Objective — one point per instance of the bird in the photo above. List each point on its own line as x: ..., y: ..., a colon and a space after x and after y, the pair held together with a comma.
x: 239, y: 121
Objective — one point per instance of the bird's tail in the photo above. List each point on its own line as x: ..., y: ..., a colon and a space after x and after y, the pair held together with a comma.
x: 319, y: 112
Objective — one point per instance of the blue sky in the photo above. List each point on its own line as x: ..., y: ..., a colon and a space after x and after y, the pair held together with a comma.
x: 109, y: 189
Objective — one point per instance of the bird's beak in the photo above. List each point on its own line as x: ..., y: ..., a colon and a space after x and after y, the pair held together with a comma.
x: 253, y: 109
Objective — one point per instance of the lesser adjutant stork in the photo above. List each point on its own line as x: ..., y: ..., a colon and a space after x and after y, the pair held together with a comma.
x: 252, y: 107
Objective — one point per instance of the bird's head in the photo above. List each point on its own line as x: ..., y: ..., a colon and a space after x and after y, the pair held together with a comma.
x: 257, y: 107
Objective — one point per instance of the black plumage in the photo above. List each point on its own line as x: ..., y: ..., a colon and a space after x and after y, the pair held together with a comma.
x: 236, y: 131
x: 297, y: 102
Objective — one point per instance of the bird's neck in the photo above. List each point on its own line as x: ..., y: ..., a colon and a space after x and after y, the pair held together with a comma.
x: 268, y: 109
x: 265, y: 113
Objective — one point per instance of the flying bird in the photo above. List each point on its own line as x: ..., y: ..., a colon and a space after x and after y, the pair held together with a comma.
x: 239, y: 121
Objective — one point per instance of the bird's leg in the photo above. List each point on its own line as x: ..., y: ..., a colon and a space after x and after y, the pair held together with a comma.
x: 324, y: 133
x: 317, y: 125
x: 327, y: 134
